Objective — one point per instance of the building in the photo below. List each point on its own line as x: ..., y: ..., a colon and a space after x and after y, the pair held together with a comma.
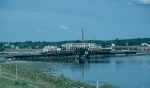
x: 70, y: 46
x: 129, y: 48
x: 125, y: 48
x: 95, y: 48
x: 145, y: 44
x: 50, y: 48
x: 144, y: 48
x: 73, y: 46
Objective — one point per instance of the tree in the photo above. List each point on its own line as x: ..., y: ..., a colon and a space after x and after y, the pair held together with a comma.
x: 1, y: 44
x: 130, y: 44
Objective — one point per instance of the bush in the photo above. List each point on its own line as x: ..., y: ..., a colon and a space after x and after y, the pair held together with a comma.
x: 17, y: 82
x: 2, y: 86
x: 24, y: 83
x: 62, y: 75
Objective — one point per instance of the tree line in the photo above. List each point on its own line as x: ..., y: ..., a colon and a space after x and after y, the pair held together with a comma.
x: 103, y: 43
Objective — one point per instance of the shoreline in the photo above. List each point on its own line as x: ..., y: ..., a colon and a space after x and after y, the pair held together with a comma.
x: 42, y: 80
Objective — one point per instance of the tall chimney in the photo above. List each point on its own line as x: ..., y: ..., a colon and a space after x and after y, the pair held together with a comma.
x: 82, y: 36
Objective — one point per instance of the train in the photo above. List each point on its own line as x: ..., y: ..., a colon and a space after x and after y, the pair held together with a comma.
x: 80, y: 51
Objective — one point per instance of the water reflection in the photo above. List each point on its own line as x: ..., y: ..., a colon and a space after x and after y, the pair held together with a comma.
x: 131, y: 63
x: 126, y: 72
x: 100, y: 60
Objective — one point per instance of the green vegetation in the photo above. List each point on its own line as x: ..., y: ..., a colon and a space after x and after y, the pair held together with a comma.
x: 7, y: 83
x: 32, y: 79
x: 40, y: 45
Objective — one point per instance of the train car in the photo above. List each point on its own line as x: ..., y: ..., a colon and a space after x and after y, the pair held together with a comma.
x: 61, y: 52
x: 51, y: 52
x: 101, y: 51
x: 65, y: 52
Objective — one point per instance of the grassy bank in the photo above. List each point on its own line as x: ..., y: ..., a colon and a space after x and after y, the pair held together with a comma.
x: 7, y: 83
x: 32, y: 79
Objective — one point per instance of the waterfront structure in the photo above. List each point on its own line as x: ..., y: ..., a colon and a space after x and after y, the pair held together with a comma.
x: 144, y: 48
x: 95, y: 48
x: 71, y: 46
x: 129, y: 48
x: 145, y: 44
x: 50, y: 48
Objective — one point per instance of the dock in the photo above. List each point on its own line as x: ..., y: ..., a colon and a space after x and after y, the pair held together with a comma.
x: 67, y: 56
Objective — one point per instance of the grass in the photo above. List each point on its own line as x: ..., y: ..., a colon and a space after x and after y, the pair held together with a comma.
x: 7, y: 83
x: 35, y: 78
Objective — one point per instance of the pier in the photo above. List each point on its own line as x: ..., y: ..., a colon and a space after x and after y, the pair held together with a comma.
x: 79, y: 56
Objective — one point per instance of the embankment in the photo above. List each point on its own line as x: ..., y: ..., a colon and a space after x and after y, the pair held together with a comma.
x: 36, y: 79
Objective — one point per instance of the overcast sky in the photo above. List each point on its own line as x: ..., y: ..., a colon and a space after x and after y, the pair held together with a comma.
x: 59, y: 20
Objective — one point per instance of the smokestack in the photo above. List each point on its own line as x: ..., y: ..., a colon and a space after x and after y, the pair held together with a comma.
x: 82, y: 36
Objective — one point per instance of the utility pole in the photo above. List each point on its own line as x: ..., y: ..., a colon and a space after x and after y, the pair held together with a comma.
x: 97, y: 84
x: 0, y: 71
x: 16, y: 72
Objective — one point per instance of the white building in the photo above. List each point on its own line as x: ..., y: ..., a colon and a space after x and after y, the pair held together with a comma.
x: 112, y: 44
x: 17, y: 47
x: 50, y: 48
x: 145, y: 44
x: 70, y: 46
x: 95, y: 48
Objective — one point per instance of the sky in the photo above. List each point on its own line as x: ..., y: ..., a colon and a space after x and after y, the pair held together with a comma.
x: 61, y: 20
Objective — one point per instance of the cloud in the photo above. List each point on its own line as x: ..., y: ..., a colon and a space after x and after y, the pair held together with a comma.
x: 129, y: 3
x: 144, y: 2
x: 40, y: 30
x: 63, y: 27
x: 44, y: 30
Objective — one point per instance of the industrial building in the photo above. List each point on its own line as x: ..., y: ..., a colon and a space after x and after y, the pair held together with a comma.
x: 130, y: 48
x: 70, y: 46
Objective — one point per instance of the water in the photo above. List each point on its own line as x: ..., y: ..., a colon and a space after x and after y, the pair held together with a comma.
x: 125, y: 72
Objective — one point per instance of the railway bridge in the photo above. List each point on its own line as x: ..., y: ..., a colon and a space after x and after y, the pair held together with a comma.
x: 80, y: 56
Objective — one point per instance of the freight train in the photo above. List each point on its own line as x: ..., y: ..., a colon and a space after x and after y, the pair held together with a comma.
x: 80, y: 51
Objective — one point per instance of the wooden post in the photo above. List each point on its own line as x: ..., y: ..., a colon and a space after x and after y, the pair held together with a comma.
x: 16, y: 72
x: 97, y: 84
x: 0, y: 71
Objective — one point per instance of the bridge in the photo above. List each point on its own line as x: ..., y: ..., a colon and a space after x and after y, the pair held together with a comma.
x: 79, y: 56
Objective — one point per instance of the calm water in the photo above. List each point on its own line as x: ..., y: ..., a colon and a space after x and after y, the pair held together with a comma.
x: 126, y: 72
